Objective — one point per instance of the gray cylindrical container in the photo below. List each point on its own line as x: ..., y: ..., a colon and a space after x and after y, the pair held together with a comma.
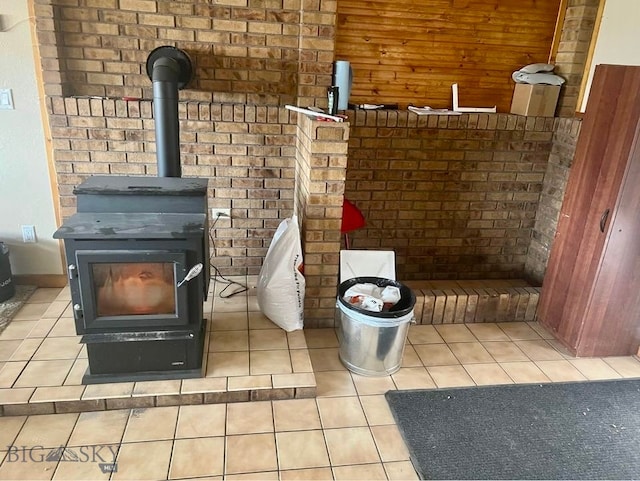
x: 372, y: 343
x: 7, y: 287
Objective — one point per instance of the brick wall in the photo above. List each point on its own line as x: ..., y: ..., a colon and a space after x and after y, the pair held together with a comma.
x: 455, y: 196
x: 250, y: 58
x: 246, y: 152
x: 243, y: 51
x: 553, y: 187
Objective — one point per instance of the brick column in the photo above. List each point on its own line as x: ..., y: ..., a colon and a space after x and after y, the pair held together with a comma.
x: 316, y: 51
x: 48, y: 48
x: 321, y: 162
x: 565, y: 139
x: 574, y: 44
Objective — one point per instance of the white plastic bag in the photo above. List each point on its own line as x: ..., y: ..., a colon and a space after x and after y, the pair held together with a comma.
x: 280, y: 284
x: 371, y: 297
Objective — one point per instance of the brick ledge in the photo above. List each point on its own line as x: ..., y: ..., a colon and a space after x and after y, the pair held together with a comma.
x: 447, y: 302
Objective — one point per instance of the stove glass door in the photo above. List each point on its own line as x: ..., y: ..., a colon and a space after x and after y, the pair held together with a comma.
x: 132, y: 288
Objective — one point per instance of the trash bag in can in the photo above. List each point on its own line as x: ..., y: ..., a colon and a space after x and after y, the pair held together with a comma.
x: 372, y: 343
x: 7, y: 287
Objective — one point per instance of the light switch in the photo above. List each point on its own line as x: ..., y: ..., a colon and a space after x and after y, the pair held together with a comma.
x: 6, y: 99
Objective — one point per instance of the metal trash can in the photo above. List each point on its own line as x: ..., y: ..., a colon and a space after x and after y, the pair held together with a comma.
x: 7, y: 287
x: 372, y: 343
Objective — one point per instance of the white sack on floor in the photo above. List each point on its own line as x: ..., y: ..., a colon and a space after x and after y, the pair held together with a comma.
x: 281, y: 286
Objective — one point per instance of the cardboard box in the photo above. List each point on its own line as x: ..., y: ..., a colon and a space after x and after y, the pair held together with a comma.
x: 535, y: 100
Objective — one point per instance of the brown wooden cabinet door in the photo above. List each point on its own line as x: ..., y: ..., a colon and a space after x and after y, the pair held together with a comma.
x: 592, y: 199
x: 614, y: 309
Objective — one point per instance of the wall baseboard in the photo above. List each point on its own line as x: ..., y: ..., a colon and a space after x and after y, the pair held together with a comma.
x: 41, y: 280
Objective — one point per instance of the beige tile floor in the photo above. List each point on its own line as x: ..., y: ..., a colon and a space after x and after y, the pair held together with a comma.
x: 346, y: 432
x: 42, y: 361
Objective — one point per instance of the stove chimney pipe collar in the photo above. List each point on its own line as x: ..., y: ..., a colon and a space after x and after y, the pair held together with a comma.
x: 175, y: 59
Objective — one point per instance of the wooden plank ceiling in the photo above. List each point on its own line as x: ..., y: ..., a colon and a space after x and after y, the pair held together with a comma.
x: 410, y: 51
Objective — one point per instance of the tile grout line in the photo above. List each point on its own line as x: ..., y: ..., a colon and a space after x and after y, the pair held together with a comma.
x: 124, y: 429
x: 64, y: 447
x: 371, y: 432
x: 275, y: 435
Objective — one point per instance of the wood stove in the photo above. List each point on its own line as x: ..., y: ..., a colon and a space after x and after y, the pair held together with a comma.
x: 138, y: 255
x: 129, y: 246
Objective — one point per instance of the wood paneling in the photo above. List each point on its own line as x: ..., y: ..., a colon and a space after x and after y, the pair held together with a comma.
x: 410, y: 52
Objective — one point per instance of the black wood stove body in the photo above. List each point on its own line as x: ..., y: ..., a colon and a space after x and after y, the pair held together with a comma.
x: 128, y: 247
x: 138, y: 255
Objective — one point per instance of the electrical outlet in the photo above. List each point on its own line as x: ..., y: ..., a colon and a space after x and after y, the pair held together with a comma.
x: 6, y: 99
x: 220, y: 212
x: 29, y: 234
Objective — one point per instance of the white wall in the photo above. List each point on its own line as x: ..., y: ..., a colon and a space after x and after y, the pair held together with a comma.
x: 25, y: 190
x: 618, y: 41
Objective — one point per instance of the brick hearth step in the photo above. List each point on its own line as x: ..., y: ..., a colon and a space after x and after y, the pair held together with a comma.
x: 494, y: 300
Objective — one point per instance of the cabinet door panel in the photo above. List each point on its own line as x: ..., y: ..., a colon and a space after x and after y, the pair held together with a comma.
x: 566, y: 266
x: 601, y: 156
x: 615, y: 305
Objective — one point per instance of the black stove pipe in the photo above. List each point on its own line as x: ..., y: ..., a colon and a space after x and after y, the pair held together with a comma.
x: 169, y: 69
x: 165, y: 114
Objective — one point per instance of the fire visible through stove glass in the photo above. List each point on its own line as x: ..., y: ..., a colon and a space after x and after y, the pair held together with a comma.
x: 134, y: 288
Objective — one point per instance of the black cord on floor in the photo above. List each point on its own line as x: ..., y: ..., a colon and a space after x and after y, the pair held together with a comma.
x: 218, y: 277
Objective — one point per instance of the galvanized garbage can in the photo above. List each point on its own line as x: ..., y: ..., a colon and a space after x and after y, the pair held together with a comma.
x: 7, y: 287
x: 372, y: 343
